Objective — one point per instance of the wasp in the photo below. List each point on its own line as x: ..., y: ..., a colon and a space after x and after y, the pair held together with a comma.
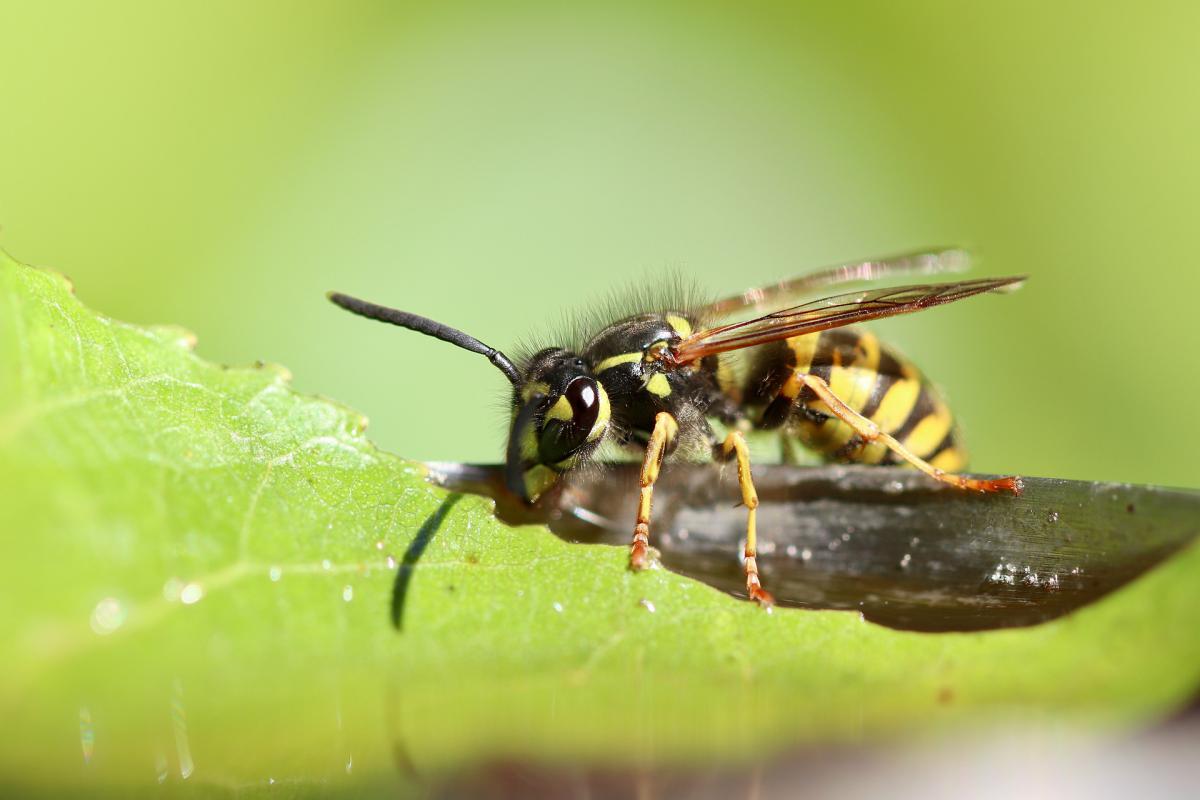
x: 661, y: 375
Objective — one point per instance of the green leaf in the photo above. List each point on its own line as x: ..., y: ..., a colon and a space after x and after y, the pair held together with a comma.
x: 200, y: 573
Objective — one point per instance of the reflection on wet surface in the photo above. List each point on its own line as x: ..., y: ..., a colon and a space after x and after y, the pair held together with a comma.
x: 1158, y: 764
x: 885, y: 542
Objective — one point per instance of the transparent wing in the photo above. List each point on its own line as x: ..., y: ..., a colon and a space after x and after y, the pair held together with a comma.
x: 928, y: 262
x: 832, y: 312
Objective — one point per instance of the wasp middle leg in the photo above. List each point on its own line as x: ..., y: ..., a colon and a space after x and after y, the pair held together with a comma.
x: 735, y: 444
x: 665, y: 431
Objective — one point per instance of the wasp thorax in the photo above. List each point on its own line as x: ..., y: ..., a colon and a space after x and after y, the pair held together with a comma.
x: 642, y: 338
x: 632, y: 359
x: 559, y: 415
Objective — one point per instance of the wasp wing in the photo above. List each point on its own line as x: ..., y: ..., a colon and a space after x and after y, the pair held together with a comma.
x: 832, y: 312
x: 921, y: 262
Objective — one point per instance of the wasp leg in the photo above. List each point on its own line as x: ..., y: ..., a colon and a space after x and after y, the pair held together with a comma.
x: 735, y: 443
x: 665, y: 431
x: 870, y: 432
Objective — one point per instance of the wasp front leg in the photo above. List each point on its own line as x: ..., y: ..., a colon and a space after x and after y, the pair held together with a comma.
x: 735, y: 445
x: 665, y: 431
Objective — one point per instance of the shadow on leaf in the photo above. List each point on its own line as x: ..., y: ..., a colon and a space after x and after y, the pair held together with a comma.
x: 413, y: 554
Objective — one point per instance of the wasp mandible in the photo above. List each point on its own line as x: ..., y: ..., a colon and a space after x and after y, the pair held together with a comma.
x: 657, y: 377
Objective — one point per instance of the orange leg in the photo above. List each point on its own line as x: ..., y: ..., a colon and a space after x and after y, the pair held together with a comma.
x: 870, y: 432
x: 735, y: 443
x: 665, y: 431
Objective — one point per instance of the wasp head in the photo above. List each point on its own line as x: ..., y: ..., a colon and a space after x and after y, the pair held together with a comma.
x: 560, y: 414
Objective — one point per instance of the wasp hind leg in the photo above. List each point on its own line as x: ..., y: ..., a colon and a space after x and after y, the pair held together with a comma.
x: 665, y: 431
x: 735, y: 445
x: 869, y: 432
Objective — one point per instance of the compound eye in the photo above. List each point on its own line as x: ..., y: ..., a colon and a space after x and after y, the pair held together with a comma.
x: 562, y: 435
x: 584, y: 398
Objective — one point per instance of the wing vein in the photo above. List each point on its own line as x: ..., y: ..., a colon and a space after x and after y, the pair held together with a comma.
x: 833, y: 312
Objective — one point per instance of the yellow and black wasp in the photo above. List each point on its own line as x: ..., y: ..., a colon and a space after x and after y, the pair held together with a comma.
x: 657, y: 378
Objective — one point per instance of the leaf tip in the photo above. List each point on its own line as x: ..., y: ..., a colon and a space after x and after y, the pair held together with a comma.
x: 54, y: 275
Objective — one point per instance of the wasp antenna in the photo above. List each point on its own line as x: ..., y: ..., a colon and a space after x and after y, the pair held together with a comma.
x: 514, y: 473
x: 437, y: 330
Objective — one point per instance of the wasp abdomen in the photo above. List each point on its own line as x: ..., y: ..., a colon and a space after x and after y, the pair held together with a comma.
x: 872, y: 379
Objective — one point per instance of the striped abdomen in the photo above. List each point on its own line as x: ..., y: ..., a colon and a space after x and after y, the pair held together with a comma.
x: 868, y: 376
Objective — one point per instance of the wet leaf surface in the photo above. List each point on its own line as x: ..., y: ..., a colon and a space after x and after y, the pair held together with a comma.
x: 904, y: 551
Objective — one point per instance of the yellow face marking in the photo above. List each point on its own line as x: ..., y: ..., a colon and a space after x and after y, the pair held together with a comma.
x: 529, y: 444
x: 565, y: 464
x: 929, y: 432
x: 658, y: 384
x: 614, y: 361
x: 530, y: 389
x: 602, y: 417
x: 560, y: 410
x: 538, y: 479
x: 679, y: 325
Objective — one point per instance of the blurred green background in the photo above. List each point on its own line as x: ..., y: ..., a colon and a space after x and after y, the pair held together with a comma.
x: 221, y: 165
